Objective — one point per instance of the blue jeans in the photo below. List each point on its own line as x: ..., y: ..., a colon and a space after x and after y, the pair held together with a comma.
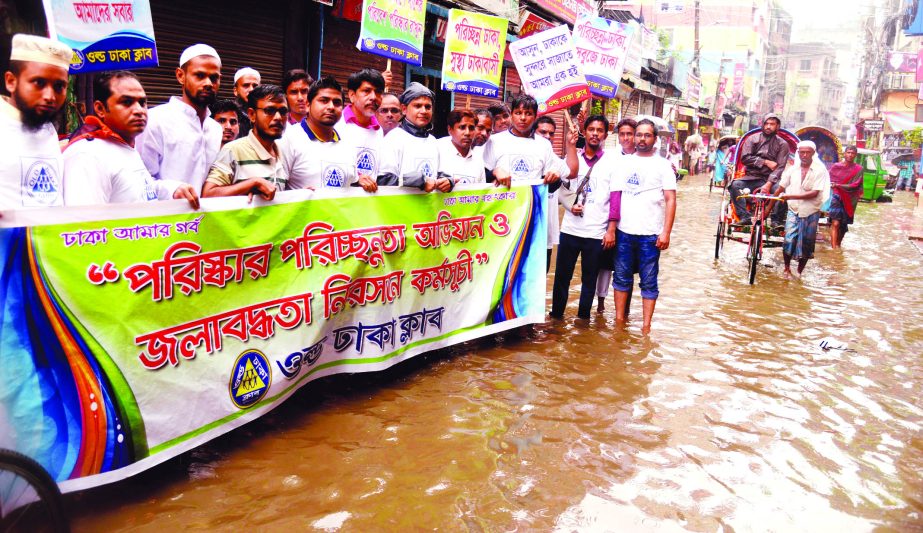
x: 640, y: 251
x: 589, y: 250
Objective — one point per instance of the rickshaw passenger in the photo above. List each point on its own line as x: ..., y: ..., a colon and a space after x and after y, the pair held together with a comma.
x: 764, y: 157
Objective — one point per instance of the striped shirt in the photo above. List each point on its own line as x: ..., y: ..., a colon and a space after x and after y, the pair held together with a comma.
x: 245, y: 159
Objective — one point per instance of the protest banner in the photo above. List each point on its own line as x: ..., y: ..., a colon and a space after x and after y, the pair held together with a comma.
x: 473, y: 55
x: 131, y: 339
x: 393, y: 29
x: 602, y: 46
x: 104, y: 35
x: 549, y: 69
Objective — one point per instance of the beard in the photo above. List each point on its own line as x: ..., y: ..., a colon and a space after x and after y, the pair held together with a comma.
x: 32, y: 119
x: 201, y: 99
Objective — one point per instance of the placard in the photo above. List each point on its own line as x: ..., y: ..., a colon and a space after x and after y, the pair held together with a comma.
x: 550, y: 70
x: 602, y: 46
x: 473, y: 54
x: 393, y: 29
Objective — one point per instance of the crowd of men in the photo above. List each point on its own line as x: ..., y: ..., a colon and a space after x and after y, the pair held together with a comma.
x: 312, y: 134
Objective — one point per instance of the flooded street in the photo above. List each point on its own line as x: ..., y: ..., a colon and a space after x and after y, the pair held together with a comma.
x: 729, y: 417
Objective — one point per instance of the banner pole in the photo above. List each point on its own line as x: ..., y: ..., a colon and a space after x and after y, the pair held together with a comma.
x: 388, y: 69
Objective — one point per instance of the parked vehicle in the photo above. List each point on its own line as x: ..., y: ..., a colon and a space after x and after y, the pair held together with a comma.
x: 874, y: 177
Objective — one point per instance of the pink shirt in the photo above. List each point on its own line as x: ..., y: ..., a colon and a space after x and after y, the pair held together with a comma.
x: 350, y: 116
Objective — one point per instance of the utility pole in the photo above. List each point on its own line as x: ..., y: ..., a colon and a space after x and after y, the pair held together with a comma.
x: 714, y: 108
x: 695, y: 57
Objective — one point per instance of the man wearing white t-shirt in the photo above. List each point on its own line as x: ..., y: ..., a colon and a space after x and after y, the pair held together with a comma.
x: 101, y: 165
x: 411, y: 155
x: 625, y: 130
x: 317, y: 156
x: 30, y: 161
x: 518, y: 154
x: 643, y: 204
x: 358, y: 127
x: 584, y: 232
x: 458, y: 160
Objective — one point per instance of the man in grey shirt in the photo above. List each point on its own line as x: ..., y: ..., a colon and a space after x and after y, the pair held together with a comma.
x: 764, y: 157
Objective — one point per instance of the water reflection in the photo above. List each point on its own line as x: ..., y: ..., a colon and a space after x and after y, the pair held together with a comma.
x: 729, y: 417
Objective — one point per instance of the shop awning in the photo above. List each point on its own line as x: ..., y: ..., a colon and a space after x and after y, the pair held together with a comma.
x: 896, y: 122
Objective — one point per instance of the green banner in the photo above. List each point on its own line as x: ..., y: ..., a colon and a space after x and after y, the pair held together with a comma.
x: 111, y: 328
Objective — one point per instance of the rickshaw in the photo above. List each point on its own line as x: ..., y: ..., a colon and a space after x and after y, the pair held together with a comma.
x: 731, y: 142
x: 829, y: 147
x: 758, y: 235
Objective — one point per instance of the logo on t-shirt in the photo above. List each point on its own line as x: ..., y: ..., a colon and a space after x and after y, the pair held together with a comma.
x: 521, y: 166
x: 334, y: 176
x: 40, y: 185
x: 365, y: 162
x: 425, y: 168
x: 461, y: 180
x: 150, y: 192
x: 634, y: 179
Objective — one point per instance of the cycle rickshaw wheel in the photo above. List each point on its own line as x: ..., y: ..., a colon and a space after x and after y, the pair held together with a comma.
x: 29, y: 498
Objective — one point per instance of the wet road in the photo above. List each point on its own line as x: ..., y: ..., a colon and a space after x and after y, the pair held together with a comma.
x: 730, y: 417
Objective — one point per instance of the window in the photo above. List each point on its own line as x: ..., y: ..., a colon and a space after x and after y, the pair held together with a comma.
x: 870, y: 163
x: 805, y: 65
x: 799, y: 116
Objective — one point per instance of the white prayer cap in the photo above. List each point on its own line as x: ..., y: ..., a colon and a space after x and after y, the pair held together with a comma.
x: 40, y: 50
x: 807, y: 144
x: 197, y: 50
x: 247, y: 71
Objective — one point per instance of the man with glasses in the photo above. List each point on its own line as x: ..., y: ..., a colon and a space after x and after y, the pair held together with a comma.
x: 389, y: 113
x: 253, y: 165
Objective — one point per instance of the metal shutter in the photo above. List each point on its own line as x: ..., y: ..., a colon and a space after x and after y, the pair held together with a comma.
x: 242, y: 35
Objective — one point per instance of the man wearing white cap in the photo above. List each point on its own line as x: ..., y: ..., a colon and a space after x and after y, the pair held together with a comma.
x: 30, y: 161
x: 245, y: 80
x: 182, y: 140
x: 805, y: 187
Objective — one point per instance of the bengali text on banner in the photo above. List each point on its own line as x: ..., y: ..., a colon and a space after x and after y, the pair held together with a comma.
x: 111, y: 327
x: 105, y: 35
x: 550, y: 70
x: 393, y: 29
x: 473, y: 54
x: 602, y: 46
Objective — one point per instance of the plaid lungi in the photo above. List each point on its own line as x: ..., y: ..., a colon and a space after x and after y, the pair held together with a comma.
x: 800, y: 235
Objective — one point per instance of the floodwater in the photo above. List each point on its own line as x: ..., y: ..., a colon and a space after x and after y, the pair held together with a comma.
x: 729, y: 417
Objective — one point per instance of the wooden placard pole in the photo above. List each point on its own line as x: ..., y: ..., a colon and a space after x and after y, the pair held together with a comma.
x: 388, y: 69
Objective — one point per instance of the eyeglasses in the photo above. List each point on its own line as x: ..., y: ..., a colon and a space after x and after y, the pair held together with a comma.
x: 271, y: 111
x: 391, y: 110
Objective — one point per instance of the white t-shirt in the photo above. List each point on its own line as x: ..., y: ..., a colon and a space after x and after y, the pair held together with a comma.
x: 595, y: 219
x: 99, y: 171
x: 30, y: 163
x: 366, y: 145
x: 410, y: 158
x: 524, y: 158
x: 464, y: 169
x: 316, y: 164
x: 176, y: 145
x: 642, y: 181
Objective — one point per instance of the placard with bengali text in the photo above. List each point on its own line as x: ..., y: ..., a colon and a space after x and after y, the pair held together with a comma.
x: 602, y: 46
x: 393, y: 29
x: 473, y: 55
x: 550, y: 70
